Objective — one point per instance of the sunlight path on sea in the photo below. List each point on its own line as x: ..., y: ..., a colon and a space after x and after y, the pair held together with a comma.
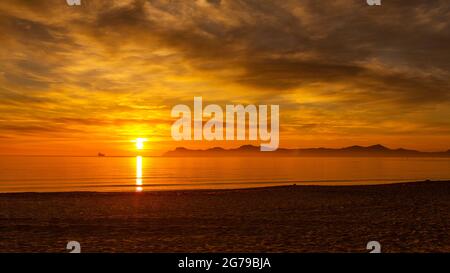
x: 138, y: 173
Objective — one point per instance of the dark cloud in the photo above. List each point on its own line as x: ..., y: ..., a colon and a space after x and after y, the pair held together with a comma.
x: 282, y: 46
x: 279, y: 45
x: 35, y: 129
x: 103, y: 122
x: 9, y: 97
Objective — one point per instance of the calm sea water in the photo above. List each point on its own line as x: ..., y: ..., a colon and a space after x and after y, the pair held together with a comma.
x: 42, y: 174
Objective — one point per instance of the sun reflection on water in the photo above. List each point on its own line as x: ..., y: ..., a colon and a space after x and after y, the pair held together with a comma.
x: 138, y: 173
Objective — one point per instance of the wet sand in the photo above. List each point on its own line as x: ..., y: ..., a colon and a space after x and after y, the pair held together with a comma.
x: 407, y: 217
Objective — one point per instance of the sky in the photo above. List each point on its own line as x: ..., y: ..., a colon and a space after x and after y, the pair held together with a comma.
x: 77, y: 80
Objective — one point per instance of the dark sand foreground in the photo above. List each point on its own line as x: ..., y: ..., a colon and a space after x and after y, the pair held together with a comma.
x: 410, y: 217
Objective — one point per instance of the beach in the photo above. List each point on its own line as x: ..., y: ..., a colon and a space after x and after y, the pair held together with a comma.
x: 403, y: 217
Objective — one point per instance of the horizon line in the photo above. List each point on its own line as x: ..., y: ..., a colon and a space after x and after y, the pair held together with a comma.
x: 214, y: 147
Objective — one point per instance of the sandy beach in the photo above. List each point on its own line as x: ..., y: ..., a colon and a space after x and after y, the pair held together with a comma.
x: 407, y: 217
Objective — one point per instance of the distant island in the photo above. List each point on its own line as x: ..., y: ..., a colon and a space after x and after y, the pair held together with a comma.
x: 356, y: 151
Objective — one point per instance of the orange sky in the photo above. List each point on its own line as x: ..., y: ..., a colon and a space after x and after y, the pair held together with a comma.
x: 82, y: 80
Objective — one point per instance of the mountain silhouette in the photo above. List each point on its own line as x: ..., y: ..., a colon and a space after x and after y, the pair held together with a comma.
x: 377, y: 150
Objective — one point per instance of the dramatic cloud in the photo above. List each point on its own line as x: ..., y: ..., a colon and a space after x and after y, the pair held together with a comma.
x: 343, y: 72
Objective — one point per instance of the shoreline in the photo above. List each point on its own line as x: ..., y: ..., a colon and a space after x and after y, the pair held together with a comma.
x: 301, y: 184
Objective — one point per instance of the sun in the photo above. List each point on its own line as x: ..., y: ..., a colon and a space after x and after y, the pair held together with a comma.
x: 140, y: 143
